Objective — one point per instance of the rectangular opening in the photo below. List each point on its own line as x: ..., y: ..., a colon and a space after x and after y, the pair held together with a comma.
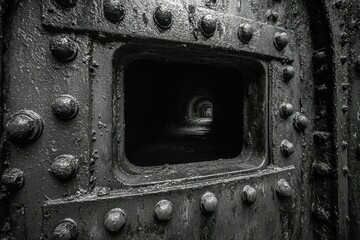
x: 187, y: 114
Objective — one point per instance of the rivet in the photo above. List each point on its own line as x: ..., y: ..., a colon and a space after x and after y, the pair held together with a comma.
x: 283, y: 189
x: 249, y: 194
x: 272, y: 15
x: 12, y: 179
x: 300, y: 122
x: 344, y: 145
x: 209, y: 203
x: 64, y: 167
x: 286, y: 110
x: 163, y: 17
x: 66, y: 3
x: 65, y: 107
x: 281, y: 40
x: 245, y: 32
x: 287, y: 148
x: 114, y: 10
x: 24, y: 126
x: 114, y: 220
x: 208, y: 25
x: 163, y: 210
x: 321, y: 168
x: 343, y: 59
x: 67, y: 229
x: 63, y: 49
x: 345, y: 108
x: 288, y: 73
x: 320, y: 57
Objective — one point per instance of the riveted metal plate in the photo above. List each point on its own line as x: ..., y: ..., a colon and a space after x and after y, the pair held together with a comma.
x: 138, y: 23
x: 280, y: 128
x: 262, y: 220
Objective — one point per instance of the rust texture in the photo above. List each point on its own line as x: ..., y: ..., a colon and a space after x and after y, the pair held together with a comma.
x: 85, y: 91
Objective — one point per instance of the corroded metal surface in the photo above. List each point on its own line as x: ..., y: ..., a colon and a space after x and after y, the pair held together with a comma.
x: 187, y: 212
x: 65, y: 172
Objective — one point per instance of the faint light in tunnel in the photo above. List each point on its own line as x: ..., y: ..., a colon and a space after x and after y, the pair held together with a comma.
x: 187, y: 113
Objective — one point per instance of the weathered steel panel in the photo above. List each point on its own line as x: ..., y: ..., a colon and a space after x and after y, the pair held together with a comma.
x: 233, y: 219
x: 66, y: 172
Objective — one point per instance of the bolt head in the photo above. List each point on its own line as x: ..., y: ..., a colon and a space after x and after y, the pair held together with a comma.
x: 66, y: 3
x: 23, y: 127
x: 115, y: 220
x: 281, y: 40
x: 287, y: 148
x: 65, y: 107
x: 245, y: 32
x: 63, y: 49
x: 288, y: 73
x: 300, y: 122
x: 286, y: 110
x: 64, y: 167
x: 114, y: 10
x: 283, y: 189
x: 13, y: 179
x: 249, y: 194
x: 66, y: 230
x: 208, y: 25
x: 163, y: 210
x: 163, y: 17
x: 209, y: 203
x: 321, y: 168
x: 272, y: 16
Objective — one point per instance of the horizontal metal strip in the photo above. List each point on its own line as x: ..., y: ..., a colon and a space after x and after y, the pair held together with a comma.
x: 138, y: 23
x: 89, y: 212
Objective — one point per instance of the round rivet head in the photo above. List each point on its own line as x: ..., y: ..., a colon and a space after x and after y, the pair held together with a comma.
x: 63, y: 49
x: 64, y: 167
x: 300, y: 122
x: 114, y: 10
x: 163, y: 210
x: 65, y: 107
x: 249, y: 194
x: 24, y: 126
x: 66, y: 230
x: 245, y: 32
x: 287, y: 148
x: 208, y: 25
x: 281, y: 40
x: 209, y: 203
x: 289, y: 73
x: 286, y: 110
x: 66, y: 3
x: 283, y: 189
x: 12, y: 179
x: 115, y: 220
x: 163, y: 17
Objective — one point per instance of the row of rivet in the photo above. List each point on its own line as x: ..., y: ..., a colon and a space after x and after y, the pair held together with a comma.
x: 116, y: 218
x: 114, y: 11
x: 300, y: 123
x: 26, y: 126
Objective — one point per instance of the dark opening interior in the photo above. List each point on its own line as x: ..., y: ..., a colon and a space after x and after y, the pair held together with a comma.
x: 182, y: 112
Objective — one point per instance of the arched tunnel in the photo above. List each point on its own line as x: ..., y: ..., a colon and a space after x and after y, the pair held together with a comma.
x: 180, y: 112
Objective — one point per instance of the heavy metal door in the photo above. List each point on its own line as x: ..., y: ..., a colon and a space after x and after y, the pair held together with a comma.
x: 80, y: 88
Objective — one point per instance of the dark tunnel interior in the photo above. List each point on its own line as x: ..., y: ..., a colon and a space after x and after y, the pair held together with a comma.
x: 179, y: 112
